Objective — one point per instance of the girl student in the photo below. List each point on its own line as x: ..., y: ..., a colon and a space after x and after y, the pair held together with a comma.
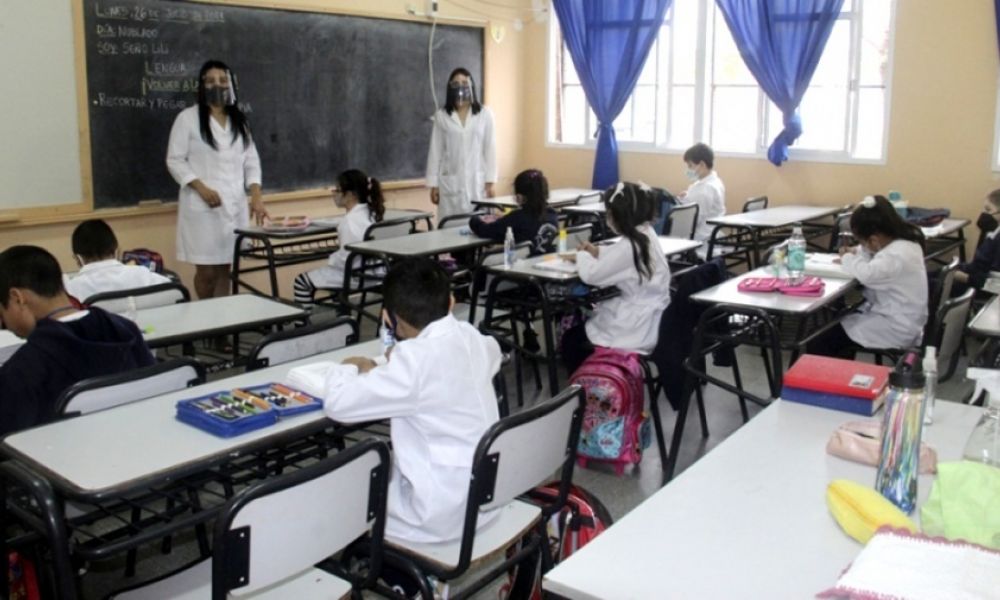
x: 889, y: 262
x: 636, y: 266
x: 534, y: 221
x: 361, y: 196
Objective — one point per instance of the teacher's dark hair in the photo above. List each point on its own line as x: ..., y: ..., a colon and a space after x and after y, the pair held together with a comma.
x: 449, y: 102
x: 237, y: 120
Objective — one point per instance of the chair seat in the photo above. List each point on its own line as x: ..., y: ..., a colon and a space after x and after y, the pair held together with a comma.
x: 195, y: 583
x: 513, y: 522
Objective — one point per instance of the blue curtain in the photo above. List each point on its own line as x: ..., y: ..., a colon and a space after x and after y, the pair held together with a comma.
x: 609, y: 41
x: 996, y: 11
x: 781, y: 42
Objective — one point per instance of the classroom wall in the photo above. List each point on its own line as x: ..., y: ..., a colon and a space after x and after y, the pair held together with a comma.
x: 944, y: 92
x: 503, y: 87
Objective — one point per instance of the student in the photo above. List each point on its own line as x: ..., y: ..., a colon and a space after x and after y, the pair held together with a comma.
x: 436, y: 391
x: 889, y: 263
x: 361, y: 196
x: 706, y: 189
x: 987, y: 257
x: 63, y: 344
x: 636, y: 266
x: 462, y: 160
x: 212, y: 156
x: 95, y: 248
x: 534, y: 221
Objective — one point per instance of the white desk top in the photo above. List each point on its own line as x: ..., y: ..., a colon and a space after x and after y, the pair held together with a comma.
x: 558, y: 198
x: 323, y: 225
x: 119, y: 447
x: 749, y: 520
x: 590, y: 208
x: 727, y: 293
x: 945, y: 227
x: 426, y: 243
x: 779, y: 216
x: 170, y: 324
x: 986, y: 323
x: 9, y: 343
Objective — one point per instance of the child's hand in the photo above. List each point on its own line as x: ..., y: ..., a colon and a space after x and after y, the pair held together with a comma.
x: 362, y: 363
x: 848, y: 250
x: 589, y: 249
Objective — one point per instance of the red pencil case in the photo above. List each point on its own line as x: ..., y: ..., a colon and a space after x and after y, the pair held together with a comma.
x: 809, y: 286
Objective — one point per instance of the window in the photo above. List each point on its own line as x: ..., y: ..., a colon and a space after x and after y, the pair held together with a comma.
x: 695, y: 87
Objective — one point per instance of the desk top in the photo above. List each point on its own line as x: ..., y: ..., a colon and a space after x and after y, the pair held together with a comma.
x: 326, y: 225
x: 558, y: 198
x: 748, y: 520
x: 106, y: 452
x: 778, y: 216
x: 425, y: 243
x: 9, y: 343
x: 986, y: 323
x: 945, y: 227
x: 727, y: 293
x: 175, y: 323
x: 590, y: 208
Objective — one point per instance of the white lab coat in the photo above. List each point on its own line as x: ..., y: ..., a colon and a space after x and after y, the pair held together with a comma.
x: 437, y: 392
x: 462, y: 159
x: 895, y: 310
x: 709, y: 193
x: 109, y: 276
x: 631, y: 320
x: 205, y: 235
x: 351, y: 230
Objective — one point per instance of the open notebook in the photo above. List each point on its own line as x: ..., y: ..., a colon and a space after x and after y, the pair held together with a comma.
x: 825, y: 265
x: 556, y: 264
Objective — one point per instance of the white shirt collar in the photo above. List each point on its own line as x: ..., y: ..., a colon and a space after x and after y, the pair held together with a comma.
x: 100, y: 264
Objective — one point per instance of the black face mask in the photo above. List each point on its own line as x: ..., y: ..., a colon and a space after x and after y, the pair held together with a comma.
x: 218, y: 96
x: 460, y: 93
x: 986, y: 222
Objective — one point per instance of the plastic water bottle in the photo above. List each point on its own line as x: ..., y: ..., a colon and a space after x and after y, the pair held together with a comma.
x: 902, y: 426
x: 508, y: 249
x: 896, y: 199
x: 131, y: 310
x: 796, y: 260
x: 563, y: 239
x: 930, y: 383
x: 984, y: 442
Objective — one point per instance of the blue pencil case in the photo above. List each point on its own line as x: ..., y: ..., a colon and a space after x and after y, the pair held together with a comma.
x: 285, y: 400
x: 234, y: 412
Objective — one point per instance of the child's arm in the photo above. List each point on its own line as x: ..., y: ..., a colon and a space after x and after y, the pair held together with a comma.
x: 879, y: 269
x: 613, y: 265
x: 495, y: 230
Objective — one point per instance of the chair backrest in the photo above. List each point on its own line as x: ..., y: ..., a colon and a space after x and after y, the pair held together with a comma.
x: 107, y: 391
x: 757, y: 203
x: 841, y: 228
x: 493, y: 255
x: 950, y: 331
x: 939, y: 293
x: 460, y: 220
x: 665, y: 202
x: 390, y: 228
x: 684, y: 221
x: 292, y: 344
x: 578, y: 234
x: 150, y: 296
x: 284, y: 525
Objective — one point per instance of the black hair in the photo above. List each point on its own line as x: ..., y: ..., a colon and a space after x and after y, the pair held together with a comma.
x: 94, y: 240
x: 367, y: 189
x: 535, y: 188
x: 449, y: 101
x: 994, y: 198
x: 883, y: 218
x: 31, y: 268
x: 238, y: 121
x: 700, y: 153
x: 630, y: 206
x: 417, y: 290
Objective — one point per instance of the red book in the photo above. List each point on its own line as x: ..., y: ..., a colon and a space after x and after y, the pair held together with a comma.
x: 837, y: 376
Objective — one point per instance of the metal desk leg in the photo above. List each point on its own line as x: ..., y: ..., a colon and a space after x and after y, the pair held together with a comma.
x: 272, y: 269
x: 550, y: 339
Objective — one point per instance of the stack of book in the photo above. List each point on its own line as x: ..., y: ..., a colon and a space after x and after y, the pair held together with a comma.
x: 846, y: 385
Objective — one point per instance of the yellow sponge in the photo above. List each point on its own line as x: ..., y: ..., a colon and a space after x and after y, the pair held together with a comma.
x: 860, y: 510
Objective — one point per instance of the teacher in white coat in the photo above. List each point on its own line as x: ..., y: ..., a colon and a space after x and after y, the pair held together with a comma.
x: 212, y: 157
x: 462, y: 162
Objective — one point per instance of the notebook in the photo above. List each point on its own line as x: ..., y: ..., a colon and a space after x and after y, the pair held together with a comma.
x: 556, y: 264
x: 836, y: 383
x: 825, y: 265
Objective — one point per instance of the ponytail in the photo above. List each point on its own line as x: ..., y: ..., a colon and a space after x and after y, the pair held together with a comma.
x: 630, y: 206
x: 368, y: 191
x: 376, y: 201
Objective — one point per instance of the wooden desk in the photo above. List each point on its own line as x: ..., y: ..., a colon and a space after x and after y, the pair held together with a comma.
x: 748, y: 520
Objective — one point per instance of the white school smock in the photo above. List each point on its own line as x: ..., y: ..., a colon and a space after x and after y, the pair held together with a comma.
x: 109, y: 276
x: 709, y: 193
x: 351, y: 230
x: 205, y: 235
x: 631, y: 320
x: 462, y: 159
x: 895, y: 310
x: 437, y: 392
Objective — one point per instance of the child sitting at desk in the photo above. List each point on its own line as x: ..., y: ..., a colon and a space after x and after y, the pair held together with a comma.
x: 534, y: 221
x: 436, y: 391
x: 63, y: 344
x: 706, y: 189
x: 987, y: 257
x: 95, y: 248
x: 361, y: 196
x: 889, y: 263
x: 636, y: 266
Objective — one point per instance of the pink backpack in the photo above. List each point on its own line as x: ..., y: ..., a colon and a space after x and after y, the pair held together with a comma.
x: 615, y: 428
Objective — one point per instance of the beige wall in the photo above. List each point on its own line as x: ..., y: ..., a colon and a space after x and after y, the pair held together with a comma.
x: 502, y: 85
x: 940, y: 136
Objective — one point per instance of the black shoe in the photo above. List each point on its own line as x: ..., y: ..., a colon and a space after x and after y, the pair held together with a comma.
x: 531, y: 340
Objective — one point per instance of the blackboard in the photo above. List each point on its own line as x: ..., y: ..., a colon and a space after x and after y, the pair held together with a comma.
x: 323, y: 92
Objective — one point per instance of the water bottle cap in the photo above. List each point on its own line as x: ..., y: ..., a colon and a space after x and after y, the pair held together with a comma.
x: 907, y: 373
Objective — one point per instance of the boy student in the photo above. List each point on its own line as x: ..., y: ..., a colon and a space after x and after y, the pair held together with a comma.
x: 987, y: 257
x: 95, y: 247
x: 436, y: 390
x: 63, y: 344
x: 706, y: 189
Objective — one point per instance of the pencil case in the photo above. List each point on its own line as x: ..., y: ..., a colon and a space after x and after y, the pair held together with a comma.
x: 809, y: 286
x: 758, y: 284
x: 860, y: 510
x: 858, y: 441
x: 219, y: 413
